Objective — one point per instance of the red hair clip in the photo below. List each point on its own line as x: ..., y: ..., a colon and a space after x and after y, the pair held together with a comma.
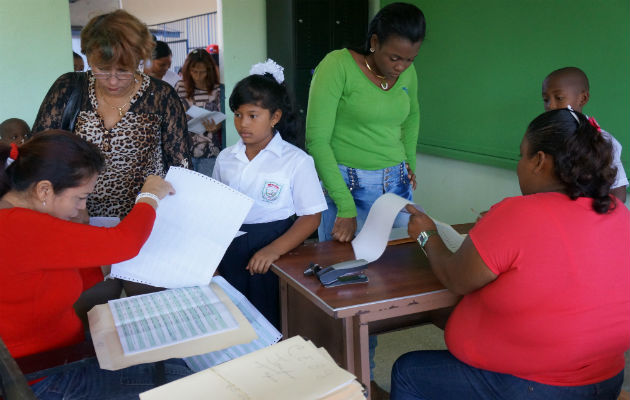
x: 594, y: 123
x: 13, y: 154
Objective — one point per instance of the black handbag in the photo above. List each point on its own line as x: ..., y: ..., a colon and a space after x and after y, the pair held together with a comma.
x: 73, y: 105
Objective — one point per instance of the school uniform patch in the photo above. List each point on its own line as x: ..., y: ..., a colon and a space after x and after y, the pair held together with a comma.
x: 271, y: 191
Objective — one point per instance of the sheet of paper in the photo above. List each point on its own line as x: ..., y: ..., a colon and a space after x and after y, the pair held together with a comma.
x: 198, y: 115
x: 109, y: 350
x: 168, y: 317
x: 370, y: 243
x: 288, y: 370
x: 192, y: 231
x: 267, y: 333
x: 104, y: 222
x: 451, y: 238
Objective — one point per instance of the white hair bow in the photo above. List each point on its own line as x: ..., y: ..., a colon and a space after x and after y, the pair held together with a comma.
x: 268, y: 67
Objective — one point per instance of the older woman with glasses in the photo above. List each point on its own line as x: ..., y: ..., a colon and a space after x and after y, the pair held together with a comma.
x: 138, y: 122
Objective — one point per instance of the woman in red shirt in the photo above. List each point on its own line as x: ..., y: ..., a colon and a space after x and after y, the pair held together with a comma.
x: 43, y: 184
x: 545, y: 278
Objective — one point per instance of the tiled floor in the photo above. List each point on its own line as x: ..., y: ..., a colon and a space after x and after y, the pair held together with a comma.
x: 427, y: 337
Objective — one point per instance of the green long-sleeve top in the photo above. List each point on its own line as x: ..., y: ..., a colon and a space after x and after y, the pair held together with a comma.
x: 353, y: 122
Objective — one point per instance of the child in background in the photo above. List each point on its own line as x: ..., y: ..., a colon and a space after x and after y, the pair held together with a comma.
x: 14, y: 130
x: 280, y: 178
x: 569, y: 87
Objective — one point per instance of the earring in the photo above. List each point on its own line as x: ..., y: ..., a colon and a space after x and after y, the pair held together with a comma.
x: 371, y: 49
x: 44, y: 203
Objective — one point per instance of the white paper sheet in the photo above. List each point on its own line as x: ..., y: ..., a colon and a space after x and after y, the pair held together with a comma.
x: 370, y: 243
x: 198, y: 115
x: 191, y: 233
x: 104, y: 222
x: 169, y: 317
x: 288, y: 370
x: 451, y: 238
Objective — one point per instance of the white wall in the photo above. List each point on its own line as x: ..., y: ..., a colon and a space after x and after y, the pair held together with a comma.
x: 456, y: 191
x: 158, y: 11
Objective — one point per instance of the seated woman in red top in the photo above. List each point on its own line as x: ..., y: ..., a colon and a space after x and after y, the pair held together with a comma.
x: 43, y: 184
x: 545, y: 278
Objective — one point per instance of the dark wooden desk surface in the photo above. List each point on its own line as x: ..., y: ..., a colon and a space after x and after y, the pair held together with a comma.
x: 402, y: 271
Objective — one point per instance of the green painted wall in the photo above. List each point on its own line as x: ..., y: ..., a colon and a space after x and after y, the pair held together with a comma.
x: 244, y: 44
x: 36, y: 48
x: 482, y: 64
x: 480, y: 72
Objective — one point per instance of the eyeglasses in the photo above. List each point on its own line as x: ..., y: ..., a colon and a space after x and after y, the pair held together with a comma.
x: 121, y: 76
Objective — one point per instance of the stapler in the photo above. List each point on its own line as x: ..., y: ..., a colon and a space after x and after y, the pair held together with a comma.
x: 342, y: 273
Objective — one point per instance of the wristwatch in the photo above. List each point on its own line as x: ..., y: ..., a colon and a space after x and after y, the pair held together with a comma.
x: 424, y: 236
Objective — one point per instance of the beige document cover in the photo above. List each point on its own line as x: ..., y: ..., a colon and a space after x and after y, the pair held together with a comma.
x: 110, y: 354
x: 288, y: 370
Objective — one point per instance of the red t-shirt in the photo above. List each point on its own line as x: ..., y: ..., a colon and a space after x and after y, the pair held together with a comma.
x: 39, y: 279
x: 559, y: 311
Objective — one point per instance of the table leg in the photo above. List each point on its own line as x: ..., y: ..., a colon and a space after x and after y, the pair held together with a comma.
x: 361, y: 351
x: 284, y: 308
x: 348, y: 344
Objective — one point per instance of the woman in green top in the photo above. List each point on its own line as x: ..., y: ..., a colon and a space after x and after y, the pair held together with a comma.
x: 363, y: 119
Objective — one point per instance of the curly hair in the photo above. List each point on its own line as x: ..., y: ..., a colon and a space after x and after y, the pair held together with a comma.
x: 264, y: 91
x: 582, y: 156
x: 60, y: 157
x: 116, y: 39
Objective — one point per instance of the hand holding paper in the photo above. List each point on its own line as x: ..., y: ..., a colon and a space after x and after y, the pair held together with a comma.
x: 199, y: 115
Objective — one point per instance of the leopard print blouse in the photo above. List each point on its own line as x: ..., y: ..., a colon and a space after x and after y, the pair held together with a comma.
x: 148, y: 139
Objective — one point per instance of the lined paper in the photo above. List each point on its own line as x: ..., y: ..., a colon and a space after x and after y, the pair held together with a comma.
x: 192, y: 231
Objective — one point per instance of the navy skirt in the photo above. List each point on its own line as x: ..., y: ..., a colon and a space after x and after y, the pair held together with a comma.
x: 262, y: 290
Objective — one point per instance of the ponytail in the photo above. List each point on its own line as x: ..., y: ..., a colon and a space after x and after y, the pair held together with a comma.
x: 5, y: 170
x: 582, y: 155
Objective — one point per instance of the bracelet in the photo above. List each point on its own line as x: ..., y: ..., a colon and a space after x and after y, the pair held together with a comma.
x: 148, y: 195
x: 424, y: 236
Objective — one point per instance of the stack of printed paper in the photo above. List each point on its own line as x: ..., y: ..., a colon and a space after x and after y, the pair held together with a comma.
x: 289, y: 370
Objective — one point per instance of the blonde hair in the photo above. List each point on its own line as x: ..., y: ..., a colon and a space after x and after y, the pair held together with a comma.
x: 116, y: 39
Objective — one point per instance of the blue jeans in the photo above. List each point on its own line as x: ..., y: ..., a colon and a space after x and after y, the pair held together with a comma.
x: 365, y: 187
x: 426, y: 375
x: 91, y: 382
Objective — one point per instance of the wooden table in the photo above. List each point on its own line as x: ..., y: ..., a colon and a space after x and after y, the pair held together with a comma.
x: 401, y: 292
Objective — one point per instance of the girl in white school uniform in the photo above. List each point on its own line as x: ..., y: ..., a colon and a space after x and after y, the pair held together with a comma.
x: 280, y: 178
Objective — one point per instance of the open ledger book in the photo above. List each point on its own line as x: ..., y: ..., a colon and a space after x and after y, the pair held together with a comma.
x: 288, y: 370
x: 173, y: 323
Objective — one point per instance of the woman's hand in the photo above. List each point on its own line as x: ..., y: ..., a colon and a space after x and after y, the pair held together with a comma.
x: 418, y: 222
x: 411, y: 176
x: 210, y: 125
x: 158, y: 186
x: 344, y: 229
x: 261, y: 260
